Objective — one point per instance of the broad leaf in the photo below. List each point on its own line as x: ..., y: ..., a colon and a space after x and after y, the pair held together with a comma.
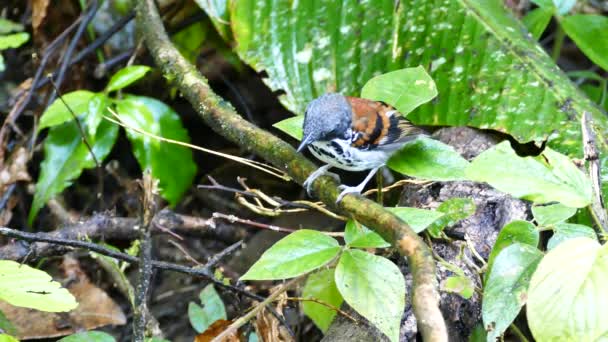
x: 506, y: 289
x: 13, y: 41
x: 590, y: 33
x: 429, y: 159
x: 321, y: 286
x: 7, y: 338
x: 522, y: 232
x: 7, y: 26
x: 294, y: 255
x: 126, y: 76
x: 566, y: 231
x: 21, y: 285
x: 537, y: 20
x: 489, y: 73
x: 454, y: 209
x: 89, y: 336
x: 98, y: 107
x: 358, y: 235
x: 292, y: 126
x: 547, y: 178
x: 65, y: 156
x: 551, y: 214
x: 57, y: 113
x: 567, y: 300
x: 212, y: 309
x: 418, y: 219
x: 404, y: 89
x: 171, y: 164
x: 374, y: 287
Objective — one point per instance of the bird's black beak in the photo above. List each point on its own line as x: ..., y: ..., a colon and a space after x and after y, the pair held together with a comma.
x: 307, y: 140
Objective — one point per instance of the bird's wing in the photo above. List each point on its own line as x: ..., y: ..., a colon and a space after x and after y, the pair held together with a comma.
x: 378, y: 125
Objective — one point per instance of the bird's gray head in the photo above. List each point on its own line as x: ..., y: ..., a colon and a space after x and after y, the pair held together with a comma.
x: 327, y: 117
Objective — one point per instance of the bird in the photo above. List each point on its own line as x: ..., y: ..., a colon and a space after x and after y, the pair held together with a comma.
x: 353, y: 134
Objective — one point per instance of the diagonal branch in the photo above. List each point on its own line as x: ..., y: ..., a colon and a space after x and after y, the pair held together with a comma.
x: 223, y: 119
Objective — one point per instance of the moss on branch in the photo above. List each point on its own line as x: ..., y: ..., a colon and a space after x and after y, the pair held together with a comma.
x: 223, y: 119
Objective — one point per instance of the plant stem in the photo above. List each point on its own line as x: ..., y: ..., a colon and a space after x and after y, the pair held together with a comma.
x: 558, y: 42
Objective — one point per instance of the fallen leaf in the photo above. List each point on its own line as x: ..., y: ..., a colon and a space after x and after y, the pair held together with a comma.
x: 215, y: 329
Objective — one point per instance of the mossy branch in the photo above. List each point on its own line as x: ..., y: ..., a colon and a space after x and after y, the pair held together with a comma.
x: 223, y: 119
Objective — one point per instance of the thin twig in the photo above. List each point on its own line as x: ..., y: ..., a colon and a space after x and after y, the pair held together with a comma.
x: 329, y: 306
x: 251, y: 223
x: 597, y: 207
x: 185, y: 253
x: 232, y: 329
x: 225, y: 252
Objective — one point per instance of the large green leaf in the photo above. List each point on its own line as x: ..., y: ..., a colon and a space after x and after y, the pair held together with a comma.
x: 212, y: 310
x: 374, y: 287
x: 547, y: 178
x: 21, y: 285
x: 518, y: 231
x: 566, y: 231
x: 358, y: 235
x: 321, y: 286
x: 57, y: 113
x: 66, y: 155
x: 294, y: 255
x: 590, y: 33
x: 171, y: 164
x: 551, y: 214
x: 567, y: 300
x: 488, y: 72
x: 506, y: 290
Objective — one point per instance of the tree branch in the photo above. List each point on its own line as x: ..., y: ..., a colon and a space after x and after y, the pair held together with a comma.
x: 223, y: 119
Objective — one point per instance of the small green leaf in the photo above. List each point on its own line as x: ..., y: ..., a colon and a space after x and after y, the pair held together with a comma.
x: 292, y: 126
x: 212, y: 310
x: 98, y: 107
x: 13, y: 41
x: 568, y: 300
x: 358, y: 235
x: 567, y: 231
x: 189, y: 41
x: 405, y: 89
x: 374, y: 287
x: 321, y: 285
x: 418, y: 219
x: 21, y: 285
x: 171, y: 164
x: 429, y: 159
x: 294, y: 255
x: 6, y: 326
x: 551, y: 214
x: 126, y: 76
x: 7, y: 338
x: 461, y: 285
x: 57, y: 113
x: 89, y: 336
x: 455, y: 209
x: 65, y: 156
x: 537, y: 20
x: 7, y: 26
x: 506, y: 290
x: 517, y: 231
x: 551, y: 177
x: 590, y: 33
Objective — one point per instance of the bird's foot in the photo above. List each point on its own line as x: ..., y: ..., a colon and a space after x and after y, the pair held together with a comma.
x: 323, y: 170
x: 349, y: 190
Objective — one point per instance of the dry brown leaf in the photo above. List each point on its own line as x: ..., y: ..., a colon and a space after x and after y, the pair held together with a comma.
x: 214, y: 330
x: 269, y: 329
x: 39, y: 8
x: 95, y: 309
x: 15, y: 169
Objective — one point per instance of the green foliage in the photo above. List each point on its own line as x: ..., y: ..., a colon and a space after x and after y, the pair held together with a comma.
x: 404, y: 89
x: 10, y: 41
x: 454, y: 209
x: 321, y: 286
x: 357, y: 235
x: 7, y: 338
x: 374, y: 287
x: 21, y: 285
x: 537, y: 20
x: 567, y: 300
x: 506, y: 288
x: 418, y: 219
x: 551, y: 214
x: 547, y: 178
x: 292, y: 126
x: 89, y: 336
x: 459, y: 284
x: 566, y: 231
x: 66, y: 154
x: 212, y: 310
x: 590, y: 33
x: 521, y: 232
x: 126, y: 76
x: 6, y: 326
x: 294, y: 255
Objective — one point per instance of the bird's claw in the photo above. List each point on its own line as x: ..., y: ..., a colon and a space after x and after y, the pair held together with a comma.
x: 348, y: 190
x: 322, y: 171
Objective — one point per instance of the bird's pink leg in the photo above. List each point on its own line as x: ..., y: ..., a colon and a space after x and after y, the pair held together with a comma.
x: 359, y: 188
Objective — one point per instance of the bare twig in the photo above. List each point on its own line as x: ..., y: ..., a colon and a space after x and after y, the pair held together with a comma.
x: 597, y: 207
x: 327, y: 305
x: 251, y: 223
x: 219, y: 256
